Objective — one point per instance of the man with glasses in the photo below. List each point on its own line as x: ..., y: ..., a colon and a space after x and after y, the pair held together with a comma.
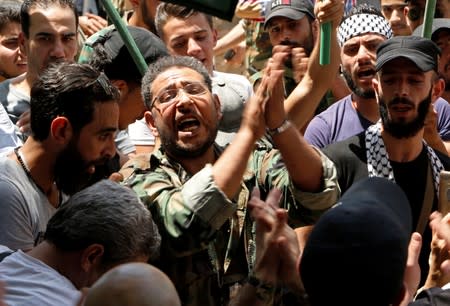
x: 198, y: 192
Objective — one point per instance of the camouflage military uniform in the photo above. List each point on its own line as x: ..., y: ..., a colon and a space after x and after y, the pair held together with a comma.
x: 208, y: 240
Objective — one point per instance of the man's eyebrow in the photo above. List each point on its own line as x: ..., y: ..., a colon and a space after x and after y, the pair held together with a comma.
x: 184, y: 35
x: 107, y: 130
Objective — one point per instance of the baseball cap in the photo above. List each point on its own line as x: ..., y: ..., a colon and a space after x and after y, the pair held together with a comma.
x: 438, y: 24
x: 233, y: 95
x: 292, y: 9
x: 421, y: 51
x: 360, y: 245
x: 122, y: 65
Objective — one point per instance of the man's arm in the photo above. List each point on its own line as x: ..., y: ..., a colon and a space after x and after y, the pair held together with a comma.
x: 304, y: 99
x: 231, y: 39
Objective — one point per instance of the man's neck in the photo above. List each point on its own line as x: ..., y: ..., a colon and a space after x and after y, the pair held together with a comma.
x: 367, y: 107
x: 137, y: 20
x: 62, y: 262
x: 40, y: 161
x: 404, y: 149
x: 195, y: 164
x: 446, y: 95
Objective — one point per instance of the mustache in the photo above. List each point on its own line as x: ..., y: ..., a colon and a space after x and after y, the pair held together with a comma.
x: 400, y: 100
x: 291, y: 43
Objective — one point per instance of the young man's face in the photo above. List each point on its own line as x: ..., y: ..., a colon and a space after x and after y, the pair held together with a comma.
x: 394, y: 12
x: 52, y: 37
x: 404, y: 95
x: 184, y: 112
x: 193, y: 37
x: 298, y: 32
x: 358, y: 55
x: 12, y: 61
x: 92, y: 146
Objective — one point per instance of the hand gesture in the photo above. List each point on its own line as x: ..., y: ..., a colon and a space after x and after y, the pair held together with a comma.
x: 277, y: 250
x: 91, y: 23
x: 274, y: 110
x: 329, y: 11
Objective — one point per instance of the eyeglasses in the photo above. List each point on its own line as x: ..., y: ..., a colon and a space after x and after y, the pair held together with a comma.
x: 168, y: 96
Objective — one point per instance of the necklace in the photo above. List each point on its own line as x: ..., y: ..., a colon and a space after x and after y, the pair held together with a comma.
x: 25, y: 168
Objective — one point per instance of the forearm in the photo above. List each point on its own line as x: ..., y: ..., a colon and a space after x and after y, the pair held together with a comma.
x: 436, y: 142
x: 230, y: 167
x: 302, y: 161
x: 229, y: 40
x: 301, y: 104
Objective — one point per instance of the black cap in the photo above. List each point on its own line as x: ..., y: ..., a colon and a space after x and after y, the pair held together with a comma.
x: 438, y: 24
x: 292, y: 9
x: 361, y: 245
x: 122, y: 65
x: 421, y: 51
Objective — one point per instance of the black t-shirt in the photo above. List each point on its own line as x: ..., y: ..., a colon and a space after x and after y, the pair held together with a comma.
x: 350, y: 159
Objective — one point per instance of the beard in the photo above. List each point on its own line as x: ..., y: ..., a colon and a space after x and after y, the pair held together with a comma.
x: 403, y: 129
x: 359, y: 91
x: 169, y: 145
x: 71, y: 170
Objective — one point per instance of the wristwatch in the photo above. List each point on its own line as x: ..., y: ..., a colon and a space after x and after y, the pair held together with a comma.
x: 283, y: 127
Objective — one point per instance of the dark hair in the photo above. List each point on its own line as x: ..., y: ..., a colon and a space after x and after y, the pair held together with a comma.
x: 363, y: 8
x: 166, y: 10
x: 111, y: 55
x: 109, y: 214
x: 27, y: 5
x: 113, y: 68
x: 70, y: 90
x: 9, y: 12
x: 165, y: 63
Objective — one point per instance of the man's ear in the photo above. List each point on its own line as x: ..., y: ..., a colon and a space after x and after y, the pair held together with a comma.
x: 122, y: 86
x: 315, y: 29
x: 61, y: 130
x: 22, y: 43
x: 218, y: 107
x: 91, y: 257
x: 438, y: 89
x: 150, y: 120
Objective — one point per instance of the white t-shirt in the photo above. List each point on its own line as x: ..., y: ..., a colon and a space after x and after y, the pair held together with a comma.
x: 30, y: 282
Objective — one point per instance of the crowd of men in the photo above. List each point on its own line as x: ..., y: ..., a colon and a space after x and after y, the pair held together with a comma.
x: 297, y: 183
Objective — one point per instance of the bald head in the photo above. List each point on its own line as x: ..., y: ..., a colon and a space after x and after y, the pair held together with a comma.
x: 133, y: 284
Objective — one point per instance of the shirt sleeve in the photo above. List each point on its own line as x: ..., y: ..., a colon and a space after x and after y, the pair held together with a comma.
x: 442, y: 108
x: 191, y: 212
x: 304, y: 208
x: 15, y: 225
x: 318, y: 132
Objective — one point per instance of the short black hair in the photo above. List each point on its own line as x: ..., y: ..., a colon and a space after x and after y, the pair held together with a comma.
x: 27, y: 5
x: 70, y: 90
x: 9, y: 12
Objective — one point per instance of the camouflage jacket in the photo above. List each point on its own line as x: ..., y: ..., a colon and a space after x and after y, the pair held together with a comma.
x: 208, y: 240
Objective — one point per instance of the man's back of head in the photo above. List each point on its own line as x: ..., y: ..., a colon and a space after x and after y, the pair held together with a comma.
x: 356, y: 253
x: 109, y: 215
x: 133, y: 284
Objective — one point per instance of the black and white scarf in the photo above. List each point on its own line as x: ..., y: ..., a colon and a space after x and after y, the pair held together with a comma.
x: 378, y: 160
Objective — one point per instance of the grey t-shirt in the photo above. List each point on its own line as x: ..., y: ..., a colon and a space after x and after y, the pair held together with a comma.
x: 24, y: 209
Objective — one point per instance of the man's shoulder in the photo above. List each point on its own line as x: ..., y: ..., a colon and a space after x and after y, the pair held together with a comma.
x: 338, y: 107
